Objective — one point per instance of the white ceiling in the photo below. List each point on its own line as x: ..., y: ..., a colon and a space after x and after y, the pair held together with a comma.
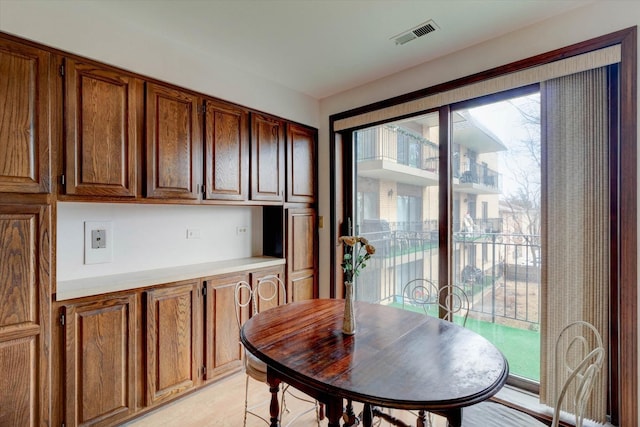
x: 323, y: 47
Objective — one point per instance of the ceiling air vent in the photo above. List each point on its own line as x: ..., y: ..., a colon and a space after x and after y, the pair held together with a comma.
x: 414, y: 33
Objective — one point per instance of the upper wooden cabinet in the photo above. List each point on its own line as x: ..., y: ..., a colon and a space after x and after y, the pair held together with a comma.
x: 226, y: 162
x: 25, y: 299
x: 104, y: 127
x: 301, y: 164
x: 26, y: 90
x: 174, y: 143
x: 267, y: 158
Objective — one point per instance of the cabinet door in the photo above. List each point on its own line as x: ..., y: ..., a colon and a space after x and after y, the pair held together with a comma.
x: 302, y: 254
x: 25, y: 294
x: 174, y: 150
x: 222, y: 348
x: 267, y: 158
x: 173, y: 332
x: 100, y: 345
x: 301, y: 164
x: 257, y: 275
x: 103, y: 124
x: 226, y: 151
x: 25, y: 120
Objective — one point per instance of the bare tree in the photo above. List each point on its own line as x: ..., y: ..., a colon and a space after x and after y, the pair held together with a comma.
x: 524, y: 169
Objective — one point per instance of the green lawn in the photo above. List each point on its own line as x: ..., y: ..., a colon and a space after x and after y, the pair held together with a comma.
x: 521, y: 347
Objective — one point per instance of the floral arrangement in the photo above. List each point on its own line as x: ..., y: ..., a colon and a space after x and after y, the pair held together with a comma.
x: 357, y: 251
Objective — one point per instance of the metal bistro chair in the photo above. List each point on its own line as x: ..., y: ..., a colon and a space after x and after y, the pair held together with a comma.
x: 269, y: 292
x: 579, y: 359
x: 425, y: 294
x: 431, y: 299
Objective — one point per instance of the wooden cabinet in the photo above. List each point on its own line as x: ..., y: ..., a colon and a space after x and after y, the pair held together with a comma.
x: 226, y: 151
x: 302, y: 254
x: 222, y: 349
x: 267, y: 158
x: 301, y: 164
x: 100, y: 360
x: 26, y: 91
x: 173, y: 337
x: 103, y: 117
x: 257, y: 275
x: 25, y: 295
x: 174, y: 143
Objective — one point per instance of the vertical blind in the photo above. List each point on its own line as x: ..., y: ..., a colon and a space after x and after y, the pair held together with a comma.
x: 575, y: 217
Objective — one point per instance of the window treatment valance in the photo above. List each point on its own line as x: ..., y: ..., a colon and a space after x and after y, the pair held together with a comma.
x: 575, y: 64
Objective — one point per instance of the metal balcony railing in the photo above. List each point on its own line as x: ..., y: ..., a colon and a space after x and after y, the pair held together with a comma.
x: 478, y: 173
x: 500, y: 272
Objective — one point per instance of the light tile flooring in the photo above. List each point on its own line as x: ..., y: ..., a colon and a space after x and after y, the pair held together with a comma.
x: 221, y: 405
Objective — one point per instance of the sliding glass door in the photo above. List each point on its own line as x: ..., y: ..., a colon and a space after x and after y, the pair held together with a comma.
x: 494, y: 215
x: 397, y: 206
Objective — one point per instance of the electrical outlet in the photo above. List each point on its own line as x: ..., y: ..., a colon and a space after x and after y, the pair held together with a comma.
x: 241, y: 229
x: 193, y: 233
x: 98, y: 242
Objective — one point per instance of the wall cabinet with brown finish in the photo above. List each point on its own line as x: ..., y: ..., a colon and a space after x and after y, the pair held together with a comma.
x: 301, y: 164
x: 25, y: 295
x: 103, y: 117
x: 26, y: 88
x: 267, y: 158
x: 302, y: 254
x: 226, y: 151
x: 100, y: 360
x: 173, y: 340
x: 173, y: 143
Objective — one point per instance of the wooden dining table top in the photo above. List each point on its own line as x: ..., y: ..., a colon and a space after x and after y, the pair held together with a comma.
x: 397, y: 358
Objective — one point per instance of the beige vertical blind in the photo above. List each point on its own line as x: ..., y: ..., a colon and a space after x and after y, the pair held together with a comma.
x: 564, y: 67
x: 575, y: 217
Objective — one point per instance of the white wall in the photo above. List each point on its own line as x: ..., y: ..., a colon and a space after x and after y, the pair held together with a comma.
x: 146, y: 237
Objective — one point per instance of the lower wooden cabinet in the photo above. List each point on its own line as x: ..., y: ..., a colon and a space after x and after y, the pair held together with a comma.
x: 125, y: 353
x: 302, y: 254
x: 173, y: 337
x: 100, y: 351
x: 222, y: 349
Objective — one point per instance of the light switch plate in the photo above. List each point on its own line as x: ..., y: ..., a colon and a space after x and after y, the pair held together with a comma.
x: 98, y: 242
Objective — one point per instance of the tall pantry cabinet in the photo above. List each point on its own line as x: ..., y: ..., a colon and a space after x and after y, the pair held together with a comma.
x: 25, y: 233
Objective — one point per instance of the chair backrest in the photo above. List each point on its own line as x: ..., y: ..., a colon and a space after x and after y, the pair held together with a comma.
x: 269, y: 292
x: 425, y: 294
x: 579, y: 360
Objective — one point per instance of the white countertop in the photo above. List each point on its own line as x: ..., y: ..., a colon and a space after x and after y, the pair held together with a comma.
x: 90, y: 286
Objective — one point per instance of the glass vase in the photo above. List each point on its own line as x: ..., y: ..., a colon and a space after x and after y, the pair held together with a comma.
x: 349, y: 319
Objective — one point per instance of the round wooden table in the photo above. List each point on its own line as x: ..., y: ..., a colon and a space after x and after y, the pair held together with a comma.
x: 396, y: 359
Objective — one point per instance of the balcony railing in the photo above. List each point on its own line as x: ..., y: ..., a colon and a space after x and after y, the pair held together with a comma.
x: 478, y: 173
x: 399, y: 145
x: 500, y: 272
